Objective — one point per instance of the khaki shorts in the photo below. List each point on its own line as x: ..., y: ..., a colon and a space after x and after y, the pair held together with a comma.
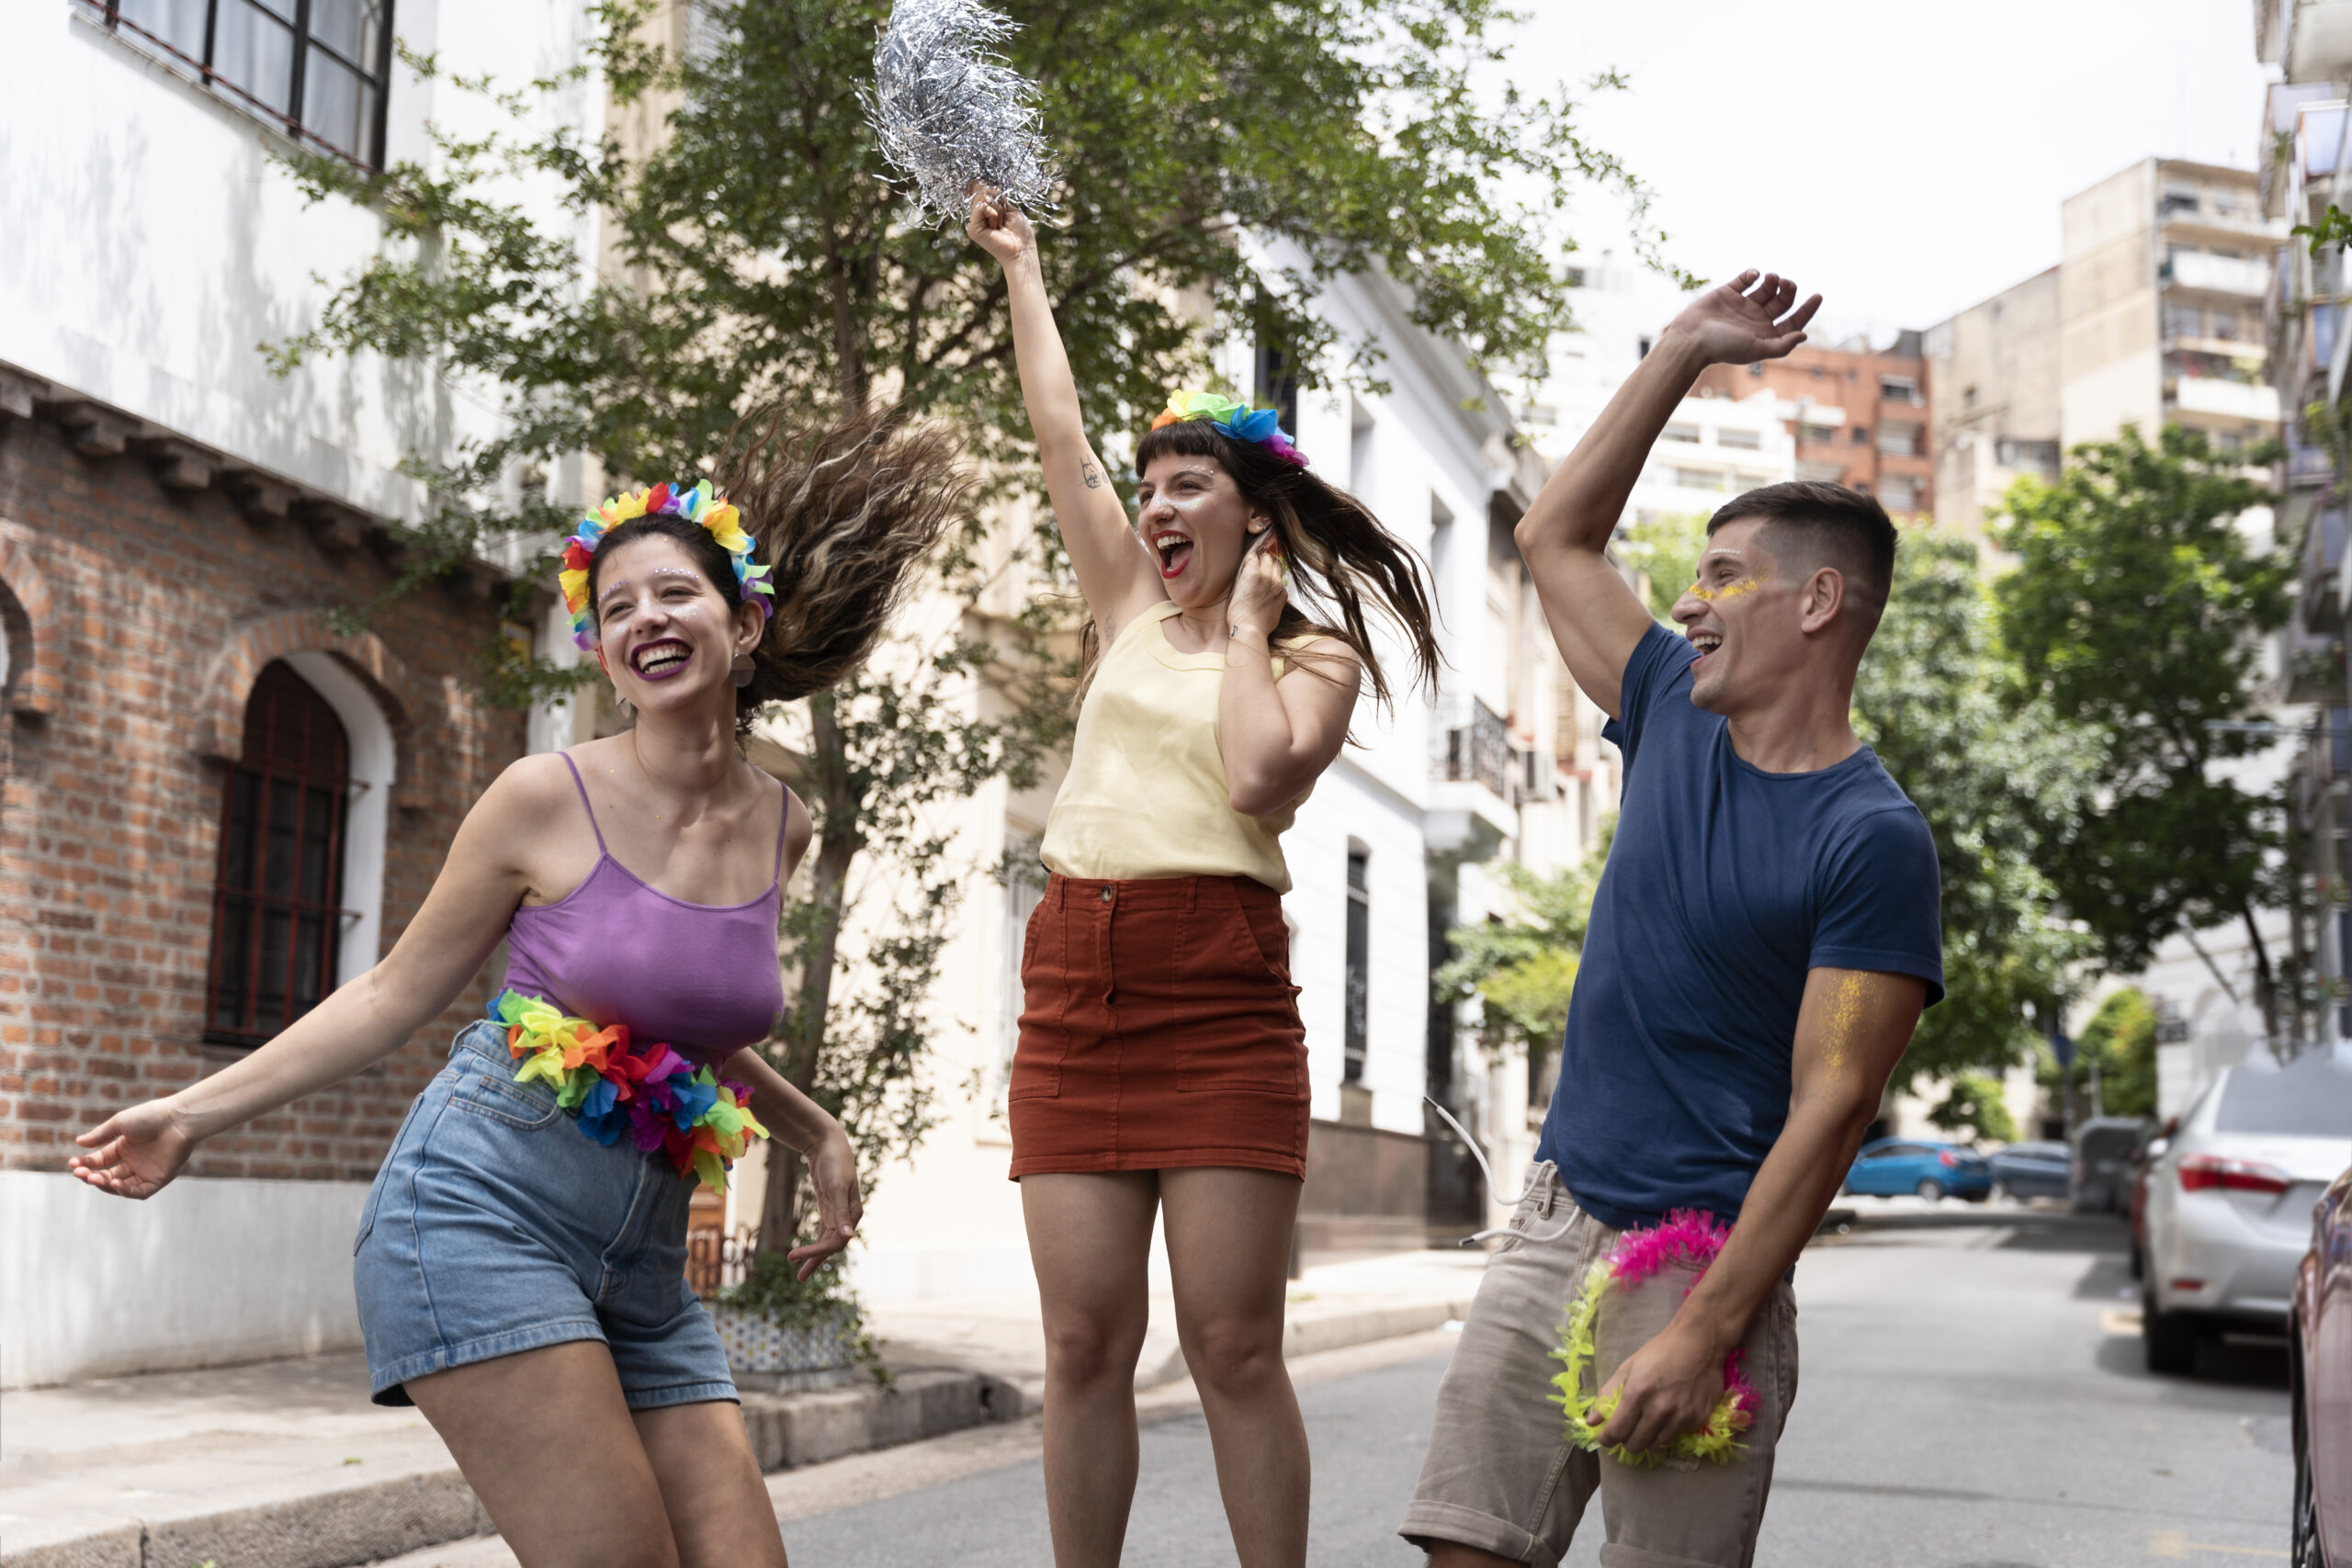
x: 1502, y: 1475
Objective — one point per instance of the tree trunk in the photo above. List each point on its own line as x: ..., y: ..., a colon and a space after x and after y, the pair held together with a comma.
x: 838, y: 842
x: 2265, y: 984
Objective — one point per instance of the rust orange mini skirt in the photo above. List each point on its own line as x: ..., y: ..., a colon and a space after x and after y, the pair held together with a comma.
x: 1159, y: 1028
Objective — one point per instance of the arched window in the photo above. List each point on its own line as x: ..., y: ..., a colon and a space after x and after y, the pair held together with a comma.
x: 277, y: 901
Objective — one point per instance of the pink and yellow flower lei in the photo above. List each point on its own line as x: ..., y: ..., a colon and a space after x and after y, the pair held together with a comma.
x: 1691, y: 1240
x: 649, y: 1093
x: 700, y: 504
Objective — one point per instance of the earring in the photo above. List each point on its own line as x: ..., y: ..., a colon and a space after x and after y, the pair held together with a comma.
x: 740, y: 672
x: 620, y: 705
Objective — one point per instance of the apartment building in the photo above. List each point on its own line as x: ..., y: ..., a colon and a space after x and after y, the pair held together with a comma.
x: 215, y: 808
x: 1996, y: 416
x: 2163, y: 269
x: 2304, y: 119
x: 1858, y: 416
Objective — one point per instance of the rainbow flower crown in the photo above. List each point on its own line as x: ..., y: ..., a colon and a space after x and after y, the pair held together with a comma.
x: 1238, y: 420
x: 701, y: 504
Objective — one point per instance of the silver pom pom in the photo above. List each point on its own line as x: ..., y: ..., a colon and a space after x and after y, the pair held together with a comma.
x: 949, y: 112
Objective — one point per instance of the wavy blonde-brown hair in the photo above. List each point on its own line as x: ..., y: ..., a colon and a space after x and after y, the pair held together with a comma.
x: 845, y: 514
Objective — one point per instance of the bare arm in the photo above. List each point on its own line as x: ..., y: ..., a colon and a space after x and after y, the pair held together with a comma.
x: 1595, y: 618
x: 1852, y: 1031
x: 137, y: 1151
x: 1277, y: 737
x: 1115, y: 571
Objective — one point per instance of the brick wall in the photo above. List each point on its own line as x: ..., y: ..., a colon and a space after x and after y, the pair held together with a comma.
x: 1848, y: 379
x: 137, y: 618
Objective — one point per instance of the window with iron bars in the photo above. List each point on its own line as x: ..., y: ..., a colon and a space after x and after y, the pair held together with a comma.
x: 276, y: 915
x: 317, y: 68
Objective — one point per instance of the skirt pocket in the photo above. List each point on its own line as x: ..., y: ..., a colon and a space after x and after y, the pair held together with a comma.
x: 1237, y: 1025
x: 1045, y: 987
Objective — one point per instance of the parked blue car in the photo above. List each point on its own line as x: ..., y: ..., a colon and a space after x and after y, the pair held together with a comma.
x: 1893, y: 1165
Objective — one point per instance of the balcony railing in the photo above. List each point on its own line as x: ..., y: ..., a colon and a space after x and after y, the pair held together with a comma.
x: 1472, y: 746
x: 2219, y: 274
x: 2225, y: 399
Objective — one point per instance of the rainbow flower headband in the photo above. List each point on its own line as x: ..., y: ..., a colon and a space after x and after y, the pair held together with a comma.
x: 701, y: 504
x: 1238, y: 420
x: 1687, y: 1240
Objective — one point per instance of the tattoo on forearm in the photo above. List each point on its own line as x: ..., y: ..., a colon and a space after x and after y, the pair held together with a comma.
x: 1092, y: 475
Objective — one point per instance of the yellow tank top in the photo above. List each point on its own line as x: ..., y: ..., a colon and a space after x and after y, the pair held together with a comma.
x: 1146, y: 795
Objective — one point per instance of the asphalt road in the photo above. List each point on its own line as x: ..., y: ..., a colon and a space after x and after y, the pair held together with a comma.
x: 1971, y: 1396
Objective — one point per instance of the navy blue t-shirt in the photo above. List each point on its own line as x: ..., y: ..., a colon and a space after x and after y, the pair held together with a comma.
x: 1724, y: 885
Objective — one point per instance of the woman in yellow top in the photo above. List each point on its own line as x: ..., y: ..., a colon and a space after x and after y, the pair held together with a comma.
x: 1162, y: 1064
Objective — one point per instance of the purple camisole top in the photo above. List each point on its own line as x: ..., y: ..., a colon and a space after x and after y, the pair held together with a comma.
x: 701, y: 978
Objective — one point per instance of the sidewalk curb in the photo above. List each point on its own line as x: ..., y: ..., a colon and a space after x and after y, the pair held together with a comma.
x: 343, y: 1526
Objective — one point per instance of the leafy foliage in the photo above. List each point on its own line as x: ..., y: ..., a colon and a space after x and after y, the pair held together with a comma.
x: 749, y: 248
x: 2136, y: 611
x: 1666, y: 549
x: 1992, y: 782
x: 2121, y: 1041
x: 1524, y: 968
x: 1973, y: 1104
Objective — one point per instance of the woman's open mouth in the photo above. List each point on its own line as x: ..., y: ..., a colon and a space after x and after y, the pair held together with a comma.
x: 660, y: 660
x: 1175, y: 550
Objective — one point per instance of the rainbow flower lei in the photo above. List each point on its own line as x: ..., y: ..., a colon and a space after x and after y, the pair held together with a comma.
x: 1238, y: 420
x: 648, y: 1092
x: 700, y: 504
x: 1687, y: 1239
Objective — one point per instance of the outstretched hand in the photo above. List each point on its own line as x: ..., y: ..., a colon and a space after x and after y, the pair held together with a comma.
x: 1001, y: 227
x: 1747, y: 320
x: 133, y: 1153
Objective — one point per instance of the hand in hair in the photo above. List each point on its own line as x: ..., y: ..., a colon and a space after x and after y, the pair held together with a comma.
x: 1745, y: 320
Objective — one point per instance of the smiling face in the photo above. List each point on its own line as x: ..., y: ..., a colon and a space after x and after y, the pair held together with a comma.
x: 664, y: 633
x: 1197, y: 523
x: 1741, y: 617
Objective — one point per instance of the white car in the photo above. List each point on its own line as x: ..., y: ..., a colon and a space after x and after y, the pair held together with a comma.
x: 2229, y: 1209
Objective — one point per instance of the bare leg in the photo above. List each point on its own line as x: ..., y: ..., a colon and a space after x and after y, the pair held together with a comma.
x: 1229, y: 1247
x: 1453, y: 1555
x: 546, y: 1442
x: 718, y: 1506
x: 1090, y: 1240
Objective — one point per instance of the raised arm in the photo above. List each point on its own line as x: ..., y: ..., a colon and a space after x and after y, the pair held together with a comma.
x: 1115, y: 572
x: 1852, y: 1029
x: 1595, y: 618
x: 136, y: 1151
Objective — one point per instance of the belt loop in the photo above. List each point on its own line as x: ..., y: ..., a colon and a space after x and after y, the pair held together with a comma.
x: 1551, y: 1190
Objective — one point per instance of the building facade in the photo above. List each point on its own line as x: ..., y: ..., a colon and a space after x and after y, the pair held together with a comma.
x: 1996, y: 413
x: 1859, y: 417
x: 216, y: 808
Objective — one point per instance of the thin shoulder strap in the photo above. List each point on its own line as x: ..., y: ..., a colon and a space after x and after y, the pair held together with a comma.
x: 781, y: 827
x: 582, y: 786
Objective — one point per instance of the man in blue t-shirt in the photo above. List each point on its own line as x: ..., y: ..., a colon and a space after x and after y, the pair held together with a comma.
x: 1763, y: 941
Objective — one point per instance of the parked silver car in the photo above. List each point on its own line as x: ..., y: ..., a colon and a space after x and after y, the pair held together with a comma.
x: 2229, y: 1206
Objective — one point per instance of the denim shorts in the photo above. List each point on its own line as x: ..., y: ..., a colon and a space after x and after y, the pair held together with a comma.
x: 495, y: 1226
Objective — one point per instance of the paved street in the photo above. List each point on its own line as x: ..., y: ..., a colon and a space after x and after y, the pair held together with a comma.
x: 1972, y: 1397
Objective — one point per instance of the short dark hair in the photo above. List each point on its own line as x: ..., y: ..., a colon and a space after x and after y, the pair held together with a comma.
x: 1809, y: 524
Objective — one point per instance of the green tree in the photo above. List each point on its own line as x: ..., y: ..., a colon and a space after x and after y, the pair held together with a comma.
x: 1973, y: 1104
x: 2121, y: 1042
x: 1522, y: 967
x: 2136, y: 610
x: 1992, y: 782
x: 1666, y: 550
x: 757, y: 250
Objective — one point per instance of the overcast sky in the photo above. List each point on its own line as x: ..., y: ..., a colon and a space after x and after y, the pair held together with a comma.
x: 1904, y: 159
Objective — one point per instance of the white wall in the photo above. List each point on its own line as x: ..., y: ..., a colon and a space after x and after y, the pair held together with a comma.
x: 95, y: 1286
x: 159, y: 245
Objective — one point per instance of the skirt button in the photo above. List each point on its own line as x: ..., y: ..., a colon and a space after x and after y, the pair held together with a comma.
x: 1107, y: 895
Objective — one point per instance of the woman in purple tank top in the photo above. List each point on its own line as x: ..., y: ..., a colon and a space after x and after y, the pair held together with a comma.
x: 520, y: 1265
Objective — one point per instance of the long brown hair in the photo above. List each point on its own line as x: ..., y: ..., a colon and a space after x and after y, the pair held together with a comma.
x: 1342, y: 558
x: 843, y: 513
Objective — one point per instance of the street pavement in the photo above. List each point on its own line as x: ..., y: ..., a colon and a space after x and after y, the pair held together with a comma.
x: 1972, y: 1397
